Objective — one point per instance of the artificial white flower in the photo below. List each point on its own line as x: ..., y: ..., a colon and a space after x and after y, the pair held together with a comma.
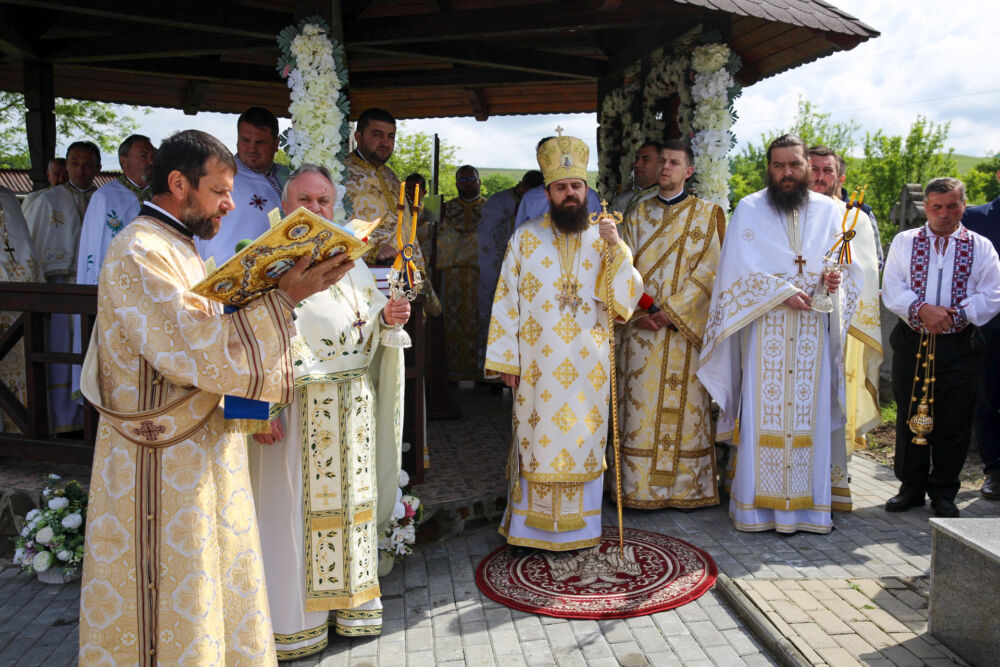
x: 31, y: 515
x: 42, y: 561
x: 54, y: 477
x: 45, y: 535
x: 65, y: 555
x: 404, y: 478
x: 72, y: 521
x: 18, y: 556
x: 398, y: 511
x: 412, y: 501
x: 58, y: 503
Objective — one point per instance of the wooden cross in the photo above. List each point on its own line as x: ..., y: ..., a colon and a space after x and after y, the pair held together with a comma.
x: 800, y: 262
x: 357, y: 324
x: 149, y: 431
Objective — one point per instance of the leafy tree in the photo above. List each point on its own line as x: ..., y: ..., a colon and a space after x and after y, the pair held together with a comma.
x: 893, y: 161
x: 981, y: 184
x: 495, y: 183
x: 104, y: 124
x: 749, y: 167
x: 414, y: 152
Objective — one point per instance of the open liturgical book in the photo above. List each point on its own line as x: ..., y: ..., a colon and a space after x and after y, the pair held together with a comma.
x: 256, y: 269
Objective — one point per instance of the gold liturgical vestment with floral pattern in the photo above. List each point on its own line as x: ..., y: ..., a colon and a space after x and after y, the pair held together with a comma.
x: 562, y: 357
x: 665, y: 421
x: 458, y: 264
x: 172, y: 568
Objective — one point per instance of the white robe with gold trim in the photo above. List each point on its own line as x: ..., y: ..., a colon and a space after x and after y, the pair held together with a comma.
x: 325, y: 492
x: 562, y: 357
x: 776, y: 372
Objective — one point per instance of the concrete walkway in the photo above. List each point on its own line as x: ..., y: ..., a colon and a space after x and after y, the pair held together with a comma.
x: 857, y: 595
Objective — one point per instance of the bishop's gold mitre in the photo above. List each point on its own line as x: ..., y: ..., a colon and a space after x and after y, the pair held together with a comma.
x: 563, y: 157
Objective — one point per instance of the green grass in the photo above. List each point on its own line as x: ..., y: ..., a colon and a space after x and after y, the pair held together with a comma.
x: 967, y: 162
x: 888, y: 412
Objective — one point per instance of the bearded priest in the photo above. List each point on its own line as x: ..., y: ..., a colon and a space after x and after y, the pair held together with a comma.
x: 172, y: 569
x: 772, y: 363
x: 548, y: 341
x: 668, y: 453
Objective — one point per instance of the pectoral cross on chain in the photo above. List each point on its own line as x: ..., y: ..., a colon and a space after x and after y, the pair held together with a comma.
x: 358, y: 324
x: 10, y: 251
x: 801, y: 262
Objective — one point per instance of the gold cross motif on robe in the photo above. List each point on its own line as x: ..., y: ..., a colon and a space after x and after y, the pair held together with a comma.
x: 674, y: 382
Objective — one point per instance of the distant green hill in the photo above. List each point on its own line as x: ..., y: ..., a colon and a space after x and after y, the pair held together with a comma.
x: 967, y: 162
x: 516, y: 174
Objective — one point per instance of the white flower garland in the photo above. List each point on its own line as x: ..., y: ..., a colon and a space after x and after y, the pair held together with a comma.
x: 711, y: 122
x: 313, y: 65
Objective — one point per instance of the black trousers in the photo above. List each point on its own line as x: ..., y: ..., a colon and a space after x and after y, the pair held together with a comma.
x: 988, y: 404
x: 935, y: 468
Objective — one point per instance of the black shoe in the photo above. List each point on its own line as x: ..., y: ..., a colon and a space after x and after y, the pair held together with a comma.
x: 944, y: 508
x: 904, y: 501
x: 991, y: 487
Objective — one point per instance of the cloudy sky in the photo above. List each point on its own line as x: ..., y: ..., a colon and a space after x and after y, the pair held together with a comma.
x: 929, y: 60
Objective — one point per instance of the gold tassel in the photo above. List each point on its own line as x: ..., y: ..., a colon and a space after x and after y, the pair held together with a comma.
x: 767, y: 440
x: 248, y: 426
x: 802, y: 441
x: 787, y: 504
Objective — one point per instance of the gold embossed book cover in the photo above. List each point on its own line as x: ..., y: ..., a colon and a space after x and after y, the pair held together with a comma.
x: 256, y: 269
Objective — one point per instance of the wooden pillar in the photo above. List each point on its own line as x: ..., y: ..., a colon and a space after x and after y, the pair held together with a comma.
x: 329, y: 10
x: 40, y: 119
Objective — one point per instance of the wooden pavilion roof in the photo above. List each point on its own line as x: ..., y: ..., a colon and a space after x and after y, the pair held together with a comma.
x: 417, y: 58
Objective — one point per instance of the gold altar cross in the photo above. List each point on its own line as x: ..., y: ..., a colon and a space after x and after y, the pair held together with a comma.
x: 800, y: 262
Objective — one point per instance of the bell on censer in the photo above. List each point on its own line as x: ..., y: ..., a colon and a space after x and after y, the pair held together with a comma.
x: 922, y: 423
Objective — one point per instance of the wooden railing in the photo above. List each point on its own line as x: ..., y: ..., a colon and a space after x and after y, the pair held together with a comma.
x: 34, y: 305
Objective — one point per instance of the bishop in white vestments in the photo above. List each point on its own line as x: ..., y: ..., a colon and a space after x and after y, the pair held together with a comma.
x: 771, y: 362
x: 548, y: 340
x: 325, y: 481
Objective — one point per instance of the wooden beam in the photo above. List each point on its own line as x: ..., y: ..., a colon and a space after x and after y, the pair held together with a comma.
x: 205, y: 70
x: 13, y: 40
x: 480, y: 110
x: 198, y: 15
x: 490, y: 55
x: 40, y: 119
x: 501, y: 21
x: 169, y: 45
x: 641, y: 46
x: 194, y: 97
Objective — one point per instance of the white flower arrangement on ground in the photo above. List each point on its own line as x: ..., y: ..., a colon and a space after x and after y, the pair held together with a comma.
x: 712, y: 93
x: 53, y: 535
x: 407, y: 513
x: 314, y: 65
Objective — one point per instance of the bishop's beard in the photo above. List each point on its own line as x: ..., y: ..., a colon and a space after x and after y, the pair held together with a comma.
x: 568, y: 219
x: 791, y: 200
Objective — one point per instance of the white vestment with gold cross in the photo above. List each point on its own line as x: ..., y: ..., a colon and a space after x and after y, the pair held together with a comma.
x: 665, y: 415
x: 325, y: 492
x: 550, y: 327
x: 776, y: 373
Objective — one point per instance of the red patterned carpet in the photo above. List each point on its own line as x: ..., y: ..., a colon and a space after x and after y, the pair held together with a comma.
x: 657, y: 573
